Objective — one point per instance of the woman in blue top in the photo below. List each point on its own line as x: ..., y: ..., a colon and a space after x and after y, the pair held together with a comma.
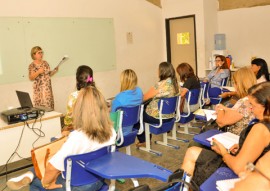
x: 220, y: 72
x: 130, y: 94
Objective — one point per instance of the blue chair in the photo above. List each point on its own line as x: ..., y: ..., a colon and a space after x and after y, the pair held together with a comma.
x: 204, y: 94
x: 129, y: 116
x: 177, y: 119
x: 166, y: 106
x: 193, y: 97
x: 75, y: 173
x: 214, y: 92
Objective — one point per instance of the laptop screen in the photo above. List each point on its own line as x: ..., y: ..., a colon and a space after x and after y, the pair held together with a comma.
x: 24, y: 99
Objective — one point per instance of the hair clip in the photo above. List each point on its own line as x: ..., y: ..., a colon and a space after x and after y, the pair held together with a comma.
x: 89, y: 79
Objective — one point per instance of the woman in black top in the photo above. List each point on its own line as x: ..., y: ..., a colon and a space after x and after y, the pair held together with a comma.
x: 188, y: 81
x: 254, y: 142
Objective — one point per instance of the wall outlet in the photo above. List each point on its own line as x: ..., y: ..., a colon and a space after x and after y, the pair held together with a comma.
x: 129, y: 37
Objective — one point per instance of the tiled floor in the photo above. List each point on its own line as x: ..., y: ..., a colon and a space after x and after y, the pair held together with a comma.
x: 170, y: 159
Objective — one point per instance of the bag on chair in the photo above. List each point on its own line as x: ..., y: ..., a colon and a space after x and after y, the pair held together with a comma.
x: 42, y: 154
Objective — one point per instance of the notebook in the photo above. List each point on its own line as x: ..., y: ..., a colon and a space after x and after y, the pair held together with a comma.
x: 226, y: 185
x: 227, y: 139
x: 25, y: 102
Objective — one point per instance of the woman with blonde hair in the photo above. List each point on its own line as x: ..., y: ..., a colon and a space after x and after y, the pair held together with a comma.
x: 40, y: 73
x: 93, y: 130
x: 237, y: 117
x: 130, y: 94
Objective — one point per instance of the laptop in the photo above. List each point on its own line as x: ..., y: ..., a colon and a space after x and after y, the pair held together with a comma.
x: 26, y: 103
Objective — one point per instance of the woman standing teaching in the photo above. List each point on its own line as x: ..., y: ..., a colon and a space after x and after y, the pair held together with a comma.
x: 40, y: 73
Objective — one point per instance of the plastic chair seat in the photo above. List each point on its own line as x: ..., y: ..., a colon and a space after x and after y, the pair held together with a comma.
x: 187, y: 119
x: 129, y: 139
x: 166, y: 126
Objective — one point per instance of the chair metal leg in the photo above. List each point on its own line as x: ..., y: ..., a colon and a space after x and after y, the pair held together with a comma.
x: 135, y: 182
x: 186, y: 127
x: 165, y: 142
x: 174, y: 137
x: 112, y: 185
x: 147, y: 141
x: 128, y: 150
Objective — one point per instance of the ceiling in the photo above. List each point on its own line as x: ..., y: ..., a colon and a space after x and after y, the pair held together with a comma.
x: 229, y: 4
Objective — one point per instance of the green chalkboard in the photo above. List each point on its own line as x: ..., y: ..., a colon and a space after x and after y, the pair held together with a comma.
x: 86, y: 41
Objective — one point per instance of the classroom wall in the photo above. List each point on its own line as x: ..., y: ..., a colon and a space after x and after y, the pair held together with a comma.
x: 247, y: 33
x: 143, y: 55
x: 206, y: 25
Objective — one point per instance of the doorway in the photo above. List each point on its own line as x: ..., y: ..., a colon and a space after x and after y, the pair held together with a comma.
x: 181, y: 41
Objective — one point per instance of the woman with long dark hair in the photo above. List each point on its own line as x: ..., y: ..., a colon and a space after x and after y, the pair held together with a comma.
x: 166, y: 87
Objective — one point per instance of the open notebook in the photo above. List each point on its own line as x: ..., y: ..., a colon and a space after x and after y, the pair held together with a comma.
x: 226, y: 185
x: 227, y: 139
x: 25, y: 101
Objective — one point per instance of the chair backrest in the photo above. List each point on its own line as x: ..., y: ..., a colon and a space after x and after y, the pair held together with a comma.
x: 75, y: 173
x: 116, y: 118
x: 224, y: 82
x: 167, y: 105
x: 193, y: 96
x: 130, y: 115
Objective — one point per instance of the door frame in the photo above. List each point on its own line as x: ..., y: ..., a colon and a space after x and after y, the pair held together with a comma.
x: 168, y: 38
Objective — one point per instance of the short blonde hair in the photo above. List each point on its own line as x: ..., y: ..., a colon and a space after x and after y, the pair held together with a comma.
x: 91, y: 115
x: 34, y: 50
x: 244, y: 78
x: 128, y: 80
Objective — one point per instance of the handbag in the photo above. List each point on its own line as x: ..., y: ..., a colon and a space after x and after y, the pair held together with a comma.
x: 42, y: 154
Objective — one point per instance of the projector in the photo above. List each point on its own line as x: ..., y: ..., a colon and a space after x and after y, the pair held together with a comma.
x: 19, y: 115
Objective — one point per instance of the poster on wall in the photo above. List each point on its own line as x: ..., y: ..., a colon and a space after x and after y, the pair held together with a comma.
x: 183, y: 38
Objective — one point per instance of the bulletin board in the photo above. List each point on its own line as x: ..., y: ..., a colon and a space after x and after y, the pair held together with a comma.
x: 86, y: 41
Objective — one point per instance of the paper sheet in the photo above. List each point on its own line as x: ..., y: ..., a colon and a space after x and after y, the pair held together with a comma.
x: 227, y: 139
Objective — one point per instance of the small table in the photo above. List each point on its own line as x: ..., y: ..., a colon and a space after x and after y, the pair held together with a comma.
x: 118, y: 165
x: 201, y: 138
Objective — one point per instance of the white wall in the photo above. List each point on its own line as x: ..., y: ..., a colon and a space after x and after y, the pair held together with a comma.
x: 137, y: 16
x: 206, y: 24
x: 247, y: 33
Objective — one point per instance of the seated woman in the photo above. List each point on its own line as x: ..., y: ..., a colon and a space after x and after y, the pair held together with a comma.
x: 190, y: 81
x: 237, y: 117
x: 130, y: 94
x: 257, y: 178
x: 90, y: 133
x: 260, y: 68
x: 220, y: 72
x: 166, y: 87
x: 84, y: 78
x: 254, y: 142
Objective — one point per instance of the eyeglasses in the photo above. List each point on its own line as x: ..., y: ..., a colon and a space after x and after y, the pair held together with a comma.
x: 250, y: 167
x: 40, y: 52
x: 217, y: 60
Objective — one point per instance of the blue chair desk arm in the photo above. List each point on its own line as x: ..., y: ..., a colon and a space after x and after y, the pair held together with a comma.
x: 222, y: 173
x: 119, y: 165
x: 201, y: 138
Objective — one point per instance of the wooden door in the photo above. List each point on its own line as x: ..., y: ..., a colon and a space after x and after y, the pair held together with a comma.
x: 181, y: 41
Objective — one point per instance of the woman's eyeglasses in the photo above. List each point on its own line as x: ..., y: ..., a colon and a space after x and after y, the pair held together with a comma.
x: 217, y: 60
x: 250, y: 167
